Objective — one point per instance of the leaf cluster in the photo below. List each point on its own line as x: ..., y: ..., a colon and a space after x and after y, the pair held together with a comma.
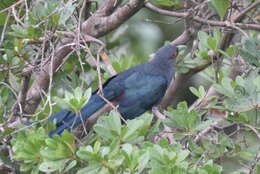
x: 118, y: 148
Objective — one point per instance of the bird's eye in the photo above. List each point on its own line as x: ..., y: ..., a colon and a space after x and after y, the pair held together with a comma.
x: 175, y: 54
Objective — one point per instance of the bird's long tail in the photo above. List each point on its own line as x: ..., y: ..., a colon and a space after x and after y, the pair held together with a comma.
x: 66, y: 119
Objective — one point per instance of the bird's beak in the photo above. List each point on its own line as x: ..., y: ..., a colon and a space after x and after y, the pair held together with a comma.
x: 174, y: 56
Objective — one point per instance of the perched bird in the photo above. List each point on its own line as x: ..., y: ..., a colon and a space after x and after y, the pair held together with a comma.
x: 136, y: 90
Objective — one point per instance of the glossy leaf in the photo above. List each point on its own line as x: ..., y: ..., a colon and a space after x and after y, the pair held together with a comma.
x: 221, y: 7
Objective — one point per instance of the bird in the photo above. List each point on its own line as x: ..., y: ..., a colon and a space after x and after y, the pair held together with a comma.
x: 135, y: 90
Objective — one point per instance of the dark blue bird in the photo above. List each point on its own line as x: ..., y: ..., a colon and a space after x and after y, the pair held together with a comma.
x: 136, y: 90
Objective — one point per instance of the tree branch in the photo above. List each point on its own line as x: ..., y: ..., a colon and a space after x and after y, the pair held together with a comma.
x: 177, y: 84
x: 97, y: 25
x: 228, y: 24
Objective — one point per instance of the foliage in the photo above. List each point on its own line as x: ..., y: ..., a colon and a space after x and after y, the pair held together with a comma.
x: 30, y: 31
x: 250, y: 51
x: 118, y: 149
x: 220, y: 6
x: 243, y: 94
x: 75, y: 101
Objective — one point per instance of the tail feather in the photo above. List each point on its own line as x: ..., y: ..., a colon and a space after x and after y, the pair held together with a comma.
x: 66, y: 119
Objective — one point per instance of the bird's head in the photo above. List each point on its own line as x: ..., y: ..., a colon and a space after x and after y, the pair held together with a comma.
x: 167, y: 54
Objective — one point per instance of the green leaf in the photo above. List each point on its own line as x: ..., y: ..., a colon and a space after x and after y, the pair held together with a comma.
x: 212, y: 168
x: 230, y: 51
x: 13, y: 80
x: 109, y: 127
x: 195, y: 148
x: 74, y: 105
x: 221, y: 7
x: 62, y: 103
x: 26, y: 147
x: 72, y: 164
x: 132, y: 130
x: 225, y: 87
x: 212, y: 43
x: 182, y: 118
x: 68, y: 137
x: 116, y: 66
x: 203, y: 125
x: 96, y: 148
x: 6, y: 132
x: 75, y: 101
x: 18, y: 30
x: 26, y: 167
x: 199, y: 93
x: 167, y: 3
x: 52, y: 166
x: 202, y: 91
x: 245, y: 155
x: 216, y: 34
x: 2, y: 18
x: 203, y: 37
x: 68, y: 96
x: 87, y: 95
x: 59, y: 147
x: 78, y: 93
x: 92, y: 169
x: 67, y: 11
x: 195, y: 91
x: 242, y: 94
x: 250, y: 51
x: 257, y: 168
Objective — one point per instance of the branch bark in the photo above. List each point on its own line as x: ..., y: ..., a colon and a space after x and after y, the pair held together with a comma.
x: 106, y: 18
x: 42, y: 79
x: 98, y: 25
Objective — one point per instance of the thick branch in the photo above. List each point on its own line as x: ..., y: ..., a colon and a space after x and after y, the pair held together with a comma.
x: 42, y: 80
x: 184, y: 37
x: 177, y: 85
x: 108, y: 7
x: 97, y: 25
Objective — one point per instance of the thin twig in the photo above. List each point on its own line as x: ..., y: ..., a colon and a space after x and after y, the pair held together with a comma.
x: 167, y: 132
x: 228, y: 24
x: 253, y: 129
x: 16, y: 17
x: 246, y: 10
x: 12, y: 6
x: 205, y: 131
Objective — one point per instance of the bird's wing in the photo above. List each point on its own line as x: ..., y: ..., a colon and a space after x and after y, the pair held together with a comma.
x: 144, y: 87
x: 114, y: 87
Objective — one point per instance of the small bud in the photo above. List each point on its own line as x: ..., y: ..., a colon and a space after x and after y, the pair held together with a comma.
x: 211, y: 53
